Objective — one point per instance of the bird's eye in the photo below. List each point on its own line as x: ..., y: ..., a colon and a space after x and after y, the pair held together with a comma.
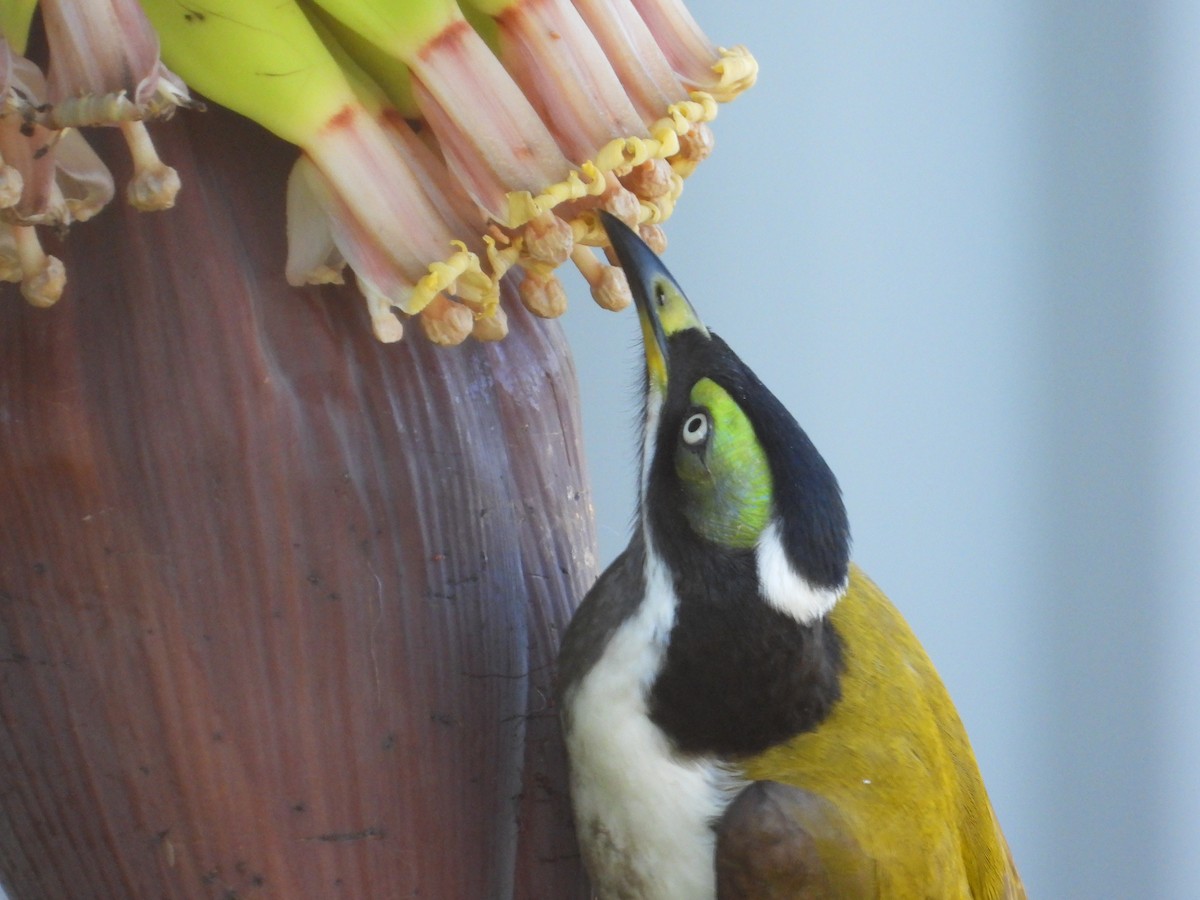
x: 660, y: 295
x: 695, y: 429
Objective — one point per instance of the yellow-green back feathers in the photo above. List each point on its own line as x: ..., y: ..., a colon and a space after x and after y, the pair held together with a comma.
x: 895, y: 760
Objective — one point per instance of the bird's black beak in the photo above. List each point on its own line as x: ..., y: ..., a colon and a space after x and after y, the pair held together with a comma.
x: 662, y: 307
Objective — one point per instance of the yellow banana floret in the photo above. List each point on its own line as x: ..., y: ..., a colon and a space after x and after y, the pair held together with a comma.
x: 441, y: 146
x: 736, y: 71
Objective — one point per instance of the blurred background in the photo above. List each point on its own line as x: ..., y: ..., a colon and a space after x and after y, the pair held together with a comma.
x: 962, y: 243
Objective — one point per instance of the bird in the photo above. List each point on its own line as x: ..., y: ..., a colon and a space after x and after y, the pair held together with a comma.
x: 745, y: 713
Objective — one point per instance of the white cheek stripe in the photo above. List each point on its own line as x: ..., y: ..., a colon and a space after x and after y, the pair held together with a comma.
x: 783, y: 588
x: 649, y: 430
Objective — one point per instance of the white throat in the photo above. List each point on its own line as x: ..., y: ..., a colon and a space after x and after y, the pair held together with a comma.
x: 783, y: 587
x: 643, y: 812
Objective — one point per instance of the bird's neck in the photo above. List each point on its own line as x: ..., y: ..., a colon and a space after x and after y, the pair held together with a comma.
x: 738, y: 674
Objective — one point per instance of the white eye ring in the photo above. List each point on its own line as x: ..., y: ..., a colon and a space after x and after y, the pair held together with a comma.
x: 695, y: 429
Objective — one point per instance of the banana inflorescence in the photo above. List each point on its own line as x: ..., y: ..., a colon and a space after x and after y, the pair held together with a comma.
x: 442, y: 144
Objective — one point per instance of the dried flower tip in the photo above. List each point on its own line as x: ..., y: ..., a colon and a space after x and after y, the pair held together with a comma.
x: 612, y: 291
x: 695, y: 146
x: 493, y: 327
x: 43, y: 277
x: 11, y: 184
x: 547, y: 240
x: 650, y: 180
x: 44, y: 288
x: 81, y: 177
x: 154, y: 184
x: 326, y: 274
x: 312, y: 257
x: 621, y: 202
x: 543, y: 295
x: 384, y: 322
x: 609, y: 286
x: 446, y: 322
x: 654, y: 236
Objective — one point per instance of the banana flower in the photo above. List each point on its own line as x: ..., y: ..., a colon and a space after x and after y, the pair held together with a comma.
x: 280, y: 592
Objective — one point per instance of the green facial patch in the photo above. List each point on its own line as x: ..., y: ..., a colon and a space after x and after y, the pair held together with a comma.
x: 725, y: 476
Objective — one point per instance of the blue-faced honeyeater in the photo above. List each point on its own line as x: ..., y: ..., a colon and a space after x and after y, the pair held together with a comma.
x: 746, y: 714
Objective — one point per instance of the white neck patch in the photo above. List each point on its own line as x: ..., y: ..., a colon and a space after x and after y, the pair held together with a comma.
x: 781, y: 586
x: 643, y: 812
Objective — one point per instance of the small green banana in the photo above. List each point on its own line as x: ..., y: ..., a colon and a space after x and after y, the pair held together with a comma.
x: 402, y: 28
x: 15, y: 19
x: 389, y: 72
x: 261, y: 59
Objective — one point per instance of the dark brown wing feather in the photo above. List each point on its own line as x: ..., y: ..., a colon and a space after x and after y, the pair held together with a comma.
x: 776, y: 841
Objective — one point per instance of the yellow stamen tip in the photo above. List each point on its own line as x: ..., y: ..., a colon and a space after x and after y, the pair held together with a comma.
x: 736, y: 71
x: 442, y: 276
